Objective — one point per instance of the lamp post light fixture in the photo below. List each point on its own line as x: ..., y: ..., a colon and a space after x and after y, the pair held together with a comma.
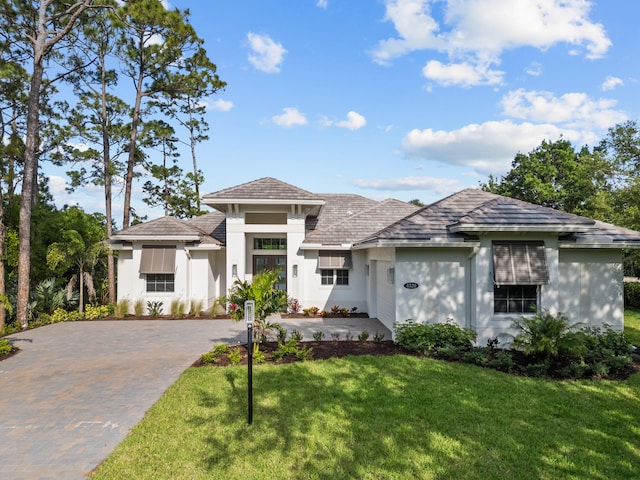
x: 249, y: 313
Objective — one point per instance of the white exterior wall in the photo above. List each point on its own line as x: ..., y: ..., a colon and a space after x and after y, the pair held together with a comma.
x: 240, y: 252
x: 382, y: 293
x: 591, y: 287
x: 314, y: 294
x: 490, y: 325
x: 132, y: 284
x: 443, y: 280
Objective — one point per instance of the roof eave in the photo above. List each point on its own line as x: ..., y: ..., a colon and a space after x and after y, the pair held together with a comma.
x: 423, y: 242
x: 521, y: 228
x: 615, y: 244
x: 156, y: 238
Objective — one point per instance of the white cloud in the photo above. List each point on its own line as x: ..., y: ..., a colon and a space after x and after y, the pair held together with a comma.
x: 479, y: 31
x: 220, y: 105
x: 464, y: 74
x: 487, y: 147
x: 535, y: 69
x: 322, y: 3
x: 291, y: 117
x: 57, y: 185
x: 575, y: 110
x: 354, y: 121
x: 439, y: 185
x: 266, y: 55
x: 611, y: 83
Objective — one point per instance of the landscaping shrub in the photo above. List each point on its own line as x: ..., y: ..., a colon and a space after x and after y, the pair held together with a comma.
x: 425, y: 338
x: 177, y: 308
x: 318, y: 336
x: 363, y: 336
x: 93, y: 313
x: 154, y: 308
x: 291, y: 348
x: 138, y: 308
x: 547, y: 337
x: 5, y: 346
x: 196, y: 307
x: 632, y: 294
x: 378, y: 337
x: 122, y: 308
x: 235, y: 356
x: 608, y: 349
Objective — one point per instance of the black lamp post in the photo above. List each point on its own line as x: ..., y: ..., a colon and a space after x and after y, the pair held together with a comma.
x: 249, y: 309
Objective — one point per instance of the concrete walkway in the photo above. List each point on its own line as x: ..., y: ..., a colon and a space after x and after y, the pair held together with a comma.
x: 76, y: 389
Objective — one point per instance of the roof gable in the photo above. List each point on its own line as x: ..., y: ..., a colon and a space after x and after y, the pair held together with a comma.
x: 266, y: 188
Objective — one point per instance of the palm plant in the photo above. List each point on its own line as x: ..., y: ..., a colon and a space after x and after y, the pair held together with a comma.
x: 548, y: 336
x: 267, y: 300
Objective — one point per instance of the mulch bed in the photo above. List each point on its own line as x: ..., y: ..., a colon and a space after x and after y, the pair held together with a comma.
x: 320, y: 351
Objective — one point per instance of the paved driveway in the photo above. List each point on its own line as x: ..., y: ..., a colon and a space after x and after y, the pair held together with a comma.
x: 76, y: 389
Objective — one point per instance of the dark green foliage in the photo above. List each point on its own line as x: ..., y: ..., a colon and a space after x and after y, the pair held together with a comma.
x: 296, y: 335
x: 363, y: 336
x: 477, y: 356
x: 632, y: 294
x: 547, y: 337
x: 536, y: 369
x: 425, y: 338
x: 318, y: 336
x: 607, y: 348
x: 291, y: 349
x: 378, y: 337
x: 502, y: 361
x: 154, y: 308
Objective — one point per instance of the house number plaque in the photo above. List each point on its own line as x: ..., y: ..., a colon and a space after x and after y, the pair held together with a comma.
x: 411, y: 285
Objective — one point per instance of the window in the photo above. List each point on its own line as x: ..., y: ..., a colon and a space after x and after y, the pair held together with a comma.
x: 515, y: 298
x: 269, y: 243
x: 331, y: 277
x: 519, y: 268
x: 160, y: 282
x: 327, y: 277
x: 342, y: 277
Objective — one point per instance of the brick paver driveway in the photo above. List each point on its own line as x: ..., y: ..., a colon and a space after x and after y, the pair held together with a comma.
x: 74, y: 391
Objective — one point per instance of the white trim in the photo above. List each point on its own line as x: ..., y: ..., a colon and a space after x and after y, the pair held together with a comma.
x: 156, y: 238
x: 522, y: 228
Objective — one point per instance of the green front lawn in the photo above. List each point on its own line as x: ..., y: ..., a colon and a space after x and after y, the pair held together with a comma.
x: 632, y: 325
x: 383, y: 418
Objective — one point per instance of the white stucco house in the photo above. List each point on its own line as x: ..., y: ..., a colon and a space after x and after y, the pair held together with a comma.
x: 474, y: 258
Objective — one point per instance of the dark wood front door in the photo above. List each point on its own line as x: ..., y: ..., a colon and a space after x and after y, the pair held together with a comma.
x: 272, y: 262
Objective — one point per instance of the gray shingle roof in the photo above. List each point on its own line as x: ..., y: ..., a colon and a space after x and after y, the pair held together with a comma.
x: 164, y: 227
x: 504, y: 211
x: 357, y: 225
x: 336, y: 208
x: 473, y: 210
x: 263, y: 188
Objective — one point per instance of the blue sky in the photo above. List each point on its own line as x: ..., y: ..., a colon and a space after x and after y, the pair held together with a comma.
x: 402, y: 98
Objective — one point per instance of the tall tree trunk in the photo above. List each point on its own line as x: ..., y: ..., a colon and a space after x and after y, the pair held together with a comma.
x: 30, y: 170
x: 192, y: 141
x: 106, y: 158
x: 135, y: 120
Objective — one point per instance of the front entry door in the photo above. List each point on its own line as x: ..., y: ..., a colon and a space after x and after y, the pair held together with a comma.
x: 272, y: 262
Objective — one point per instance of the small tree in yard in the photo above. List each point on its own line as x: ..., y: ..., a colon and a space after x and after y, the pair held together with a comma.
x: 267, y: 300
